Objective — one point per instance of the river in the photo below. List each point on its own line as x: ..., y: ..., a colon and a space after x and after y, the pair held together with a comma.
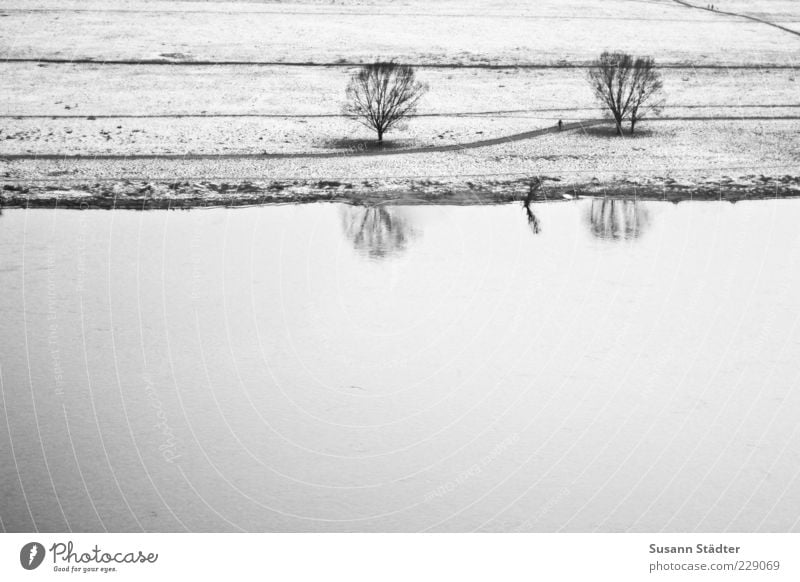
x: 587, y: 366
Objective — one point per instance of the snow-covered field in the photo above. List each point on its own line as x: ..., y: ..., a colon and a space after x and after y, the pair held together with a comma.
x: 664, y: 148
x: 733, y: 78
x: 472, y: 32
x: 97, y: 109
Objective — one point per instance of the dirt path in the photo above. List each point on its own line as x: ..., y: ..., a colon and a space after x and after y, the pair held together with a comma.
x: 738, y: 15
x: 343, y: 153
x: 578, y: 125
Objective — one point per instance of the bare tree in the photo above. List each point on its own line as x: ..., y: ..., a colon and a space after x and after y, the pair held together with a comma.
x: 610, y: 81
x: 646, y: 89
x: 627, y: 86
x: 382, y: 94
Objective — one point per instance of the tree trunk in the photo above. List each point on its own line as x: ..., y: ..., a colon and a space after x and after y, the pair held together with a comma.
x: 380, y: 135
x: 618, y: 123
x: 633, y: 124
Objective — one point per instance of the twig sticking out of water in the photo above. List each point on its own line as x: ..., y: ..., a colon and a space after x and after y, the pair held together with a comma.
x: 533, y: 222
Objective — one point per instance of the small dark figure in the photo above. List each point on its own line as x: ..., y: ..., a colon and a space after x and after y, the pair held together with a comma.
x: 560, y: 125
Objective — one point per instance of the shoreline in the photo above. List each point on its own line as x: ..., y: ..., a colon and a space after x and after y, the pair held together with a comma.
x: 145, y: 194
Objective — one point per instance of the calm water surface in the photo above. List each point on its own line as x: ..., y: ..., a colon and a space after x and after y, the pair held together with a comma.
x: 585, y: 366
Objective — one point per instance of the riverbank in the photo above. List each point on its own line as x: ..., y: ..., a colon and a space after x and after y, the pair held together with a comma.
x: 141, y: 194
x: 731, y: 159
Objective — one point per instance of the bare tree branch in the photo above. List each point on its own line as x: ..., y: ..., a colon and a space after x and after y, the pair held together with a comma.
x: 382, y: 94
x: 627, y: 86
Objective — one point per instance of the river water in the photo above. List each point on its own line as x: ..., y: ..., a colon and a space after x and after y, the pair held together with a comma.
x: 588, y: 366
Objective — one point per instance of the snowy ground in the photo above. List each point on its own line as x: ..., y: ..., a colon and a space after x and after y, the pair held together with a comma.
x: 731, y: 103
x: 94, y: 109
x: 472, y: 32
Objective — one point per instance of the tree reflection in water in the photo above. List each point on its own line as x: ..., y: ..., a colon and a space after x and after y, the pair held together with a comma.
x: 615, y: 219
x: 533, y: 222
x: 377, y: 231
